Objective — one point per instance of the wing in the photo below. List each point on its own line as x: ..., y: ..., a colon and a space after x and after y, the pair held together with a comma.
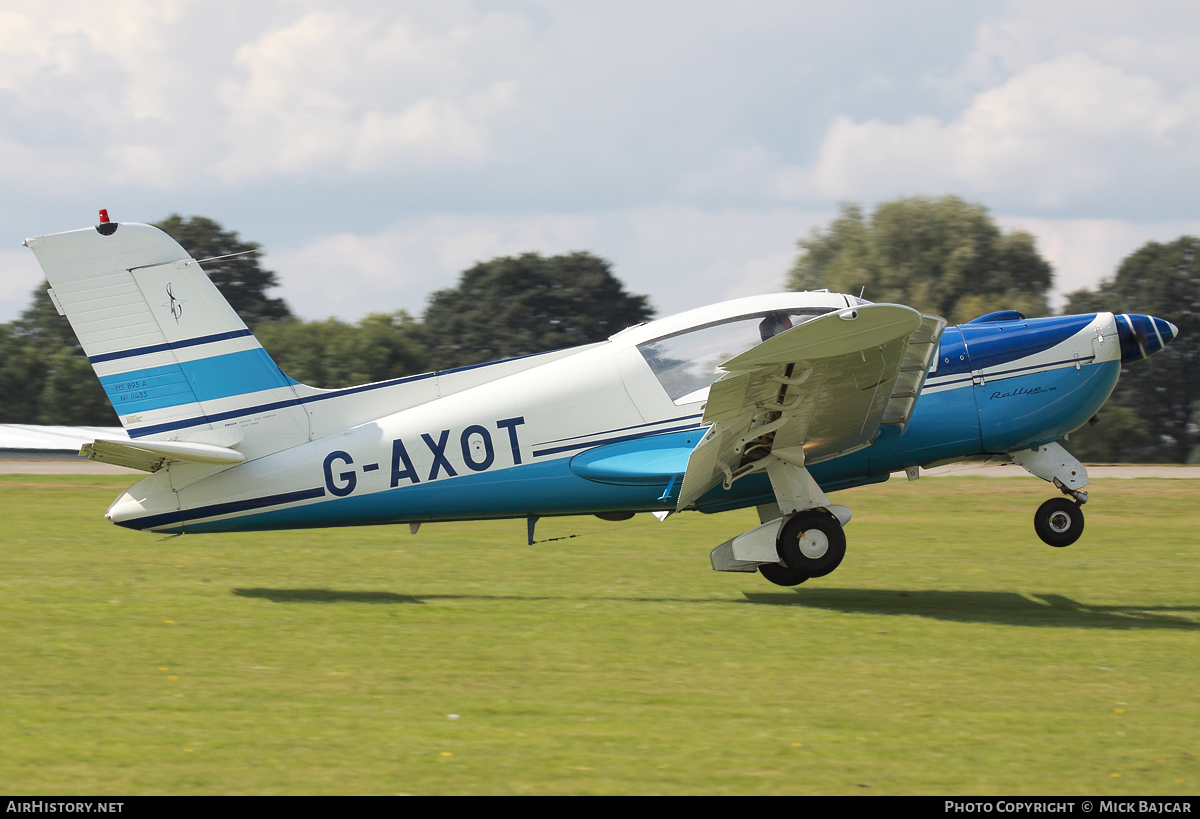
x: 813, y: 392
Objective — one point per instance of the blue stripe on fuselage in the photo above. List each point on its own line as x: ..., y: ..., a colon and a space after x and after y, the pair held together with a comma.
x: 1028, y: 410
x: 613, y: 440
x: 992, y: 344
x: 173, y: 520
x: 546, y: 488
x: 171, y: 426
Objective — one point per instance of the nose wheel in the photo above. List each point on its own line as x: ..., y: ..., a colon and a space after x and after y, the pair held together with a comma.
x: 1059, y: 522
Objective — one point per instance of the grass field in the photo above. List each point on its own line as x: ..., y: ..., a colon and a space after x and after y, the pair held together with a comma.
x: 951, y: 653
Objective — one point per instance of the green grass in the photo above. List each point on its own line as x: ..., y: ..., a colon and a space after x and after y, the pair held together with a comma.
x: 951, y: 653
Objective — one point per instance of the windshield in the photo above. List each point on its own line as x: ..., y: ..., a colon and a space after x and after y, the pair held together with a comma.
x: 686, y: 363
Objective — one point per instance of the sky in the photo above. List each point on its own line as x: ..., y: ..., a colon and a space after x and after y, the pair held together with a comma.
x: 378, y: 149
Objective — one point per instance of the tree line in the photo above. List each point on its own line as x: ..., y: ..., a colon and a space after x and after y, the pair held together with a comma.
x: 940, y: 255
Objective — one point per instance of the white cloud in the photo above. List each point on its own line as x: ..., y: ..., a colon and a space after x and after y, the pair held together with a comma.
x: 1053, y: 134
x: 340, y: 90
x: 1157, y: 38
x: 719, y: 105
x: 349, y: 275
x: 166, y: 94
x: 687, y: 257
x: 682, y: 257
x: 19, y: 274
x: 740, y: 171
x: 1085, y: 251
x: 102, y: 92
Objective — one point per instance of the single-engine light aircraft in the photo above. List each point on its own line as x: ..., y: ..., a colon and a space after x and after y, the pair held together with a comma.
x: 768, y: 401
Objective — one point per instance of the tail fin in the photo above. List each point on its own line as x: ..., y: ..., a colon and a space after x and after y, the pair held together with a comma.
x: 176, y: 361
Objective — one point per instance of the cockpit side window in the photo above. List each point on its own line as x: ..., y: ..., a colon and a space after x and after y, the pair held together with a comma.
x: 686, y: 363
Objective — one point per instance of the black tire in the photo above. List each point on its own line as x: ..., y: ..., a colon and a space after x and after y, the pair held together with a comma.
x: 823, y: 548
x: 782, y: 575
x: 1059, y: 522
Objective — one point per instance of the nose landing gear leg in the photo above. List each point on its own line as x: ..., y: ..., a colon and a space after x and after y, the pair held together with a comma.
x: 1058, y: 521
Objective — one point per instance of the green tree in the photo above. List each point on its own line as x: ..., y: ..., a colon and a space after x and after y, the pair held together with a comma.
x: 241, y: 279
x: 1161, y: 393
x: 53, y: 383
x: 515, y: 306
x: 332, y: 353
x: 72, y: 394
x: 22, y: 377
x: 1118, y: 436
x: 940, y: 255
x: 42, y: 326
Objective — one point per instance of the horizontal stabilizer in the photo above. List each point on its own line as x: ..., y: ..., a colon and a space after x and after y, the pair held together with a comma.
x: 151, y: 456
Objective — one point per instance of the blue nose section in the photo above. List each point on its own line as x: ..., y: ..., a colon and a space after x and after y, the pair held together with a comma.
x: 1142, y: 336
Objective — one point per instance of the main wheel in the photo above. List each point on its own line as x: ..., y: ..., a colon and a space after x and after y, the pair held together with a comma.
x: 782, y: 575
x: 812, y: 543
x: 1059, y: 522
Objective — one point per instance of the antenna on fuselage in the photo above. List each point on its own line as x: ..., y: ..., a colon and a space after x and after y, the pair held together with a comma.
x: 226, y: 256
x: 864, y: 290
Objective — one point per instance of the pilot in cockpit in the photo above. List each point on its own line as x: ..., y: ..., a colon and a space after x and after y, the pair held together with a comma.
x: 773, y: 325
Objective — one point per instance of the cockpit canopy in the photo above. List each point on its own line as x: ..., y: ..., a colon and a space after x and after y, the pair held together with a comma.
x: 686, y: 362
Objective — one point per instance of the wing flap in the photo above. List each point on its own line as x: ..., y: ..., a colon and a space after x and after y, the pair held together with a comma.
x: 914, y: 369
x: 823, y: 386
x: 728, y: 396
x: 705, y: 467
x: 844, y: 411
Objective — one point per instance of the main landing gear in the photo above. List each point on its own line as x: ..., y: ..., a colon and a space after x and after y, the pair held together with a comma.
x: 1058, y: 521
x: 787, y: 551
x: 801, y: 535
x: 810, y: 544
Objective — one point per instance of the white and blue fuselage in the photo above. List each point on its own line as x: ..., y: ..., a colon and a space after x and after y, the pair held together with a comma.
x: 596, y: 430
x: 816, y: 393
